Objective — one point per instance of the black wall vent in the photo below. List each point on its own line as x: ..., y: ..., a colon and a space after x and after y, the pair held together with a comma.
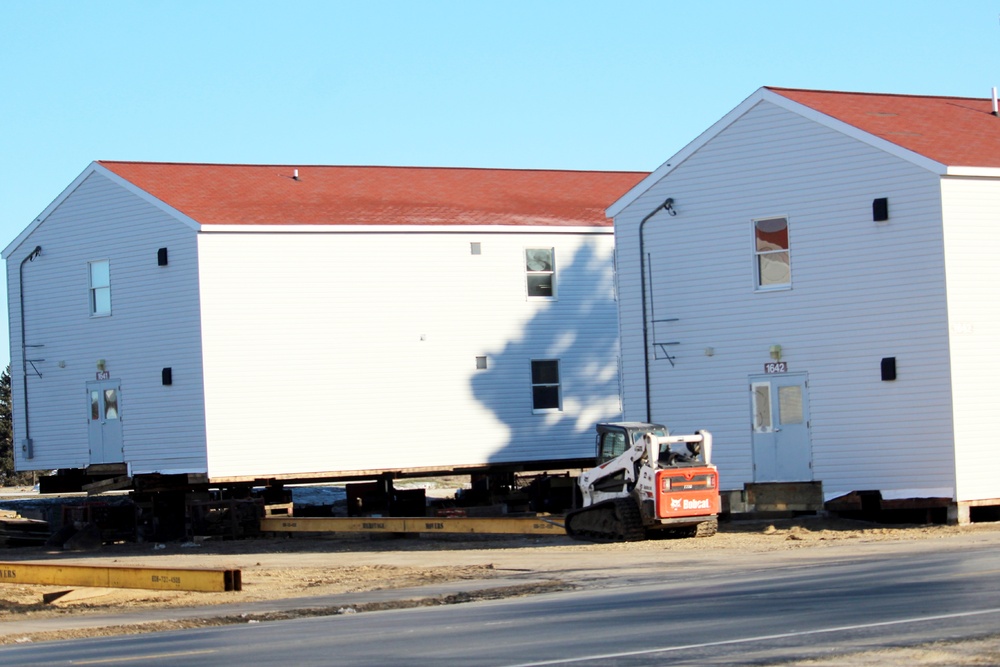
x: 888, y: 369
x: 161, y: 257
x: 167, y: 375
x: 880, y: 209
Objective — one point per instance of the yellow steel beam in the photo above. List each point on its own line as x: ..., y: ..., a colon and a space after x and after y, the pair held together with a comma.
x: 485, y: 525
x: 156, y: 578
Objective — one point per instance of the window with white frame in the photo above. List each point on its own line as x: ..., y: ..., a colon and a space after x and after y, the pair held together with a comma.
x: 545, y: 385
x: 540, y: 267
x: 771, y: 253
x: 100, y: 287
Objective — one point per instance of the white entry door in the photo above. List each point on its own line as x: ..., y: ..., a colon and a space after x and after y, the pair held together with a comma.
x: 104, y: 404
x: 782, y: 450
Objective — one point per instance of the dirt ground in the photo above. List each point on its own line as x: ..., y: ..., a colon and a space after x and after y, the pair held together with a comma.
x: 284, y: 568
x: 280, y: 567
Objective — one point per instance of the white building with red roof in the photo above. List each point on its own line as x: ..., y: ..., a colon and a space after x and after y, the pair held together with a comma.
x: 238, y: 323
x: 813, y: 280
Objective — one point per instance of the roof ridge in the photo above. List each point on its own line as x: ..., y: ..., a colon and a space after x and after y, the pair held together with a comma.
x: 374, y: 166
x: 779, y: 89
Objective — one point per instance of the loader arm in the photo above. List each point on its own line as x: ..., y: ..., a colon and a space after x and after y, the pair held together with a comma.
x: 613, y: 478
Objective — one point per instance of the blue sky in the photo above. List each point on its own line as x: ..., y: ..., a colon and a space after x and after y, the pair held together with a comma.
x: 560, y: 84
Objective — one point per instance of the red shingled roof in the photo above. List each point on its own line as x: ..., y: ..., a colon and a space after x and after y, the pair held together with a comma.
x: 955, y: 131
x: 217, y: 194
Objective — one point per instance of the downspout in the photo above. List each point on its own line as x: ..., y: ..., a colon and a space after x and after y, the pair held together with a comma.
x: 665, y: 206
x: 27, y: 449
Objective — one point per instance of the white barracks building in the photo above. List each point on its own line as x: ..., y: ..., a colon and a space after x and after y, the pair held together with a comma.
x: 238, y: 323
x: 814, y: 279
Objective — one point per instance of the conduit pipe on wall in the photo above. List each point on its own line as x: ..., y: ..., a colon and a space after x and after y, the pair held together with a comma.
x: 665, y: 206
x: 26, y: 448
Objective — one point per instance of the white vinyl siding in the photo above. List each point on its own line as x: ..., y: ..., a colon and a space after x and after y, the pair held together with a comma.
x: 155, y: 325
x: 309, y: 369
x: 862, y: 291
x: 972, y: 246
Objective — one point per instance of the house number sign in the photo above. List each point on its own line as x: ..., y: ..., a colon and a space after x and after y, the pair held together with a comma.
x: 776, y: 367
x: 103, y: 375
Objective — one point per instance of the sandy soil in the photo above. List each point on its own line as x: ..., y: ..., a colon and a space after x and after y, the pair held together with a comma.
x: 280, y: 568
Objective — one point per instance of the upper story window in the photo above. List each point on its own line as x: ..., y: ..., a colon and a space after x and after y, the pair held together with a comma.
x: 771, y: 253
x: 540, y: 267
x: 545, y: 385
x: 100, y: 287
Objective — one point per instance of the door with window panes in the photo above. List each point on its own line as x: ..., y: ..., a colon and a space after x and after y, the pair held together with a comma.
x: 782, y: 450
x: 105, y: 422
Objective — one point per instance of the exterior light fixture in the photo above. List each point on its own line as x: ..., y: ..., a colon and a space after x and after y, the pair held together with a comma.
x: 776, y: 352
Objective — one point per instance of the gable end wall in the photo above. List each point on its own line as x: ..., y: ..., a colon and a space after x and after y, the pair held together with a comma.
x: 154, y: 324
x: 861, y: 291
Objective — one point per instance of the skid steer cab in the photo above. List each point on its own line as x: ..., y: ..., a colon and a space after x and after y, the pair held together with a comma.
x: 648, y: 483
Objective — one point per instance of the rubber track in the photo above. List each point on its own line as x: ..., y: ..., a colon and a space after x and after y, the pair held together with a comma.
x: 616, y: 520
x: 703, y: 529
x: 707, y: 528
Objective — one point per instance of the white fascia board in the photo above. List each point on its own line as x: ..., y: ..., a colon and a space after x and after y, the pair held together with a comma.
x: 404, y: 229
x: 683, y: 154
x: 974, y: 172
x: 902, y: 494
x: 92, y: 168
x: 765, y: 95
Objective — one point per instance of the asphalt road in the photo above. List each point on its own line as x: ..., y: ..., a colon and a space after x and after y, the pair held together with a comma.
x: 752, y: 613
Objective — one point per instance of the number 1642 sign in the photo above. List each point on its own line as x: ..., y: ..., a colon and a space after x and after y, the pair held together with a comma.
x: 776, y: 367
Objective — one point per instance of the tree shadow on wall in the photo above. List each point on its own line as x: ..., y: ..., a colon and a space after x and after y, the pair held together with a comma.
x: 579, y: 328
